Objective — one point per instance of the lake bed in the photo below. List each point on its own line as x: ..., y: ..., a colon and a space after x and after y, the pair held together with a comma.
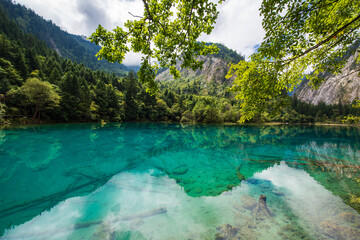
x: 172, y: 181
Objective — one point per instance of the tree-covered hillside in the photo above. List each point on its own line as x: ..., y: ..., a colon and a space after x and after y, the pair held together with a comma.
x: 227, y: 54
x: 28, y: 66
x: 38, y: 83
x: 76, y: 48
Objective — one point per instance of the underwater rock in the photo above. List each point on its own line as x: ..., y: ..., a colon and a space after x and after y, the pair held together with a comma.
x: 250, y: 224
x: 226, y: 231
x: 248, y: 202
x: 242, y: 218
x: 238, y: 207
x: 121, y: 235
x: 181, y: 170
x: 350, y: 217
x: 261, y: 210
x: 263, y: 226
x: 102, y: 232
x: 229, y: 232
x: 136, y: 223
x: 336, y: 231
x: 293, y: 231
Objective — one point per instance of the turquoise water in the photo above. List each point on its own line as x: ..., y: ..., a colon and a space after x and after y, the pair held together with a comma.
x: 171, y: 181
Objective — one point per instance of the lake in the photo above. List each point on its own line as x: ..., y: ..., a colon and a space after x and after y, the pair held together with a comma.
x: 172, y: 181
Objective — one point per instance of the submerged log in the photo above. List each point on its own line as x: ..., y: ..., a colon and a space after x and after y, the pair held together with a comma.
x: 145, y: 214
x: 239, y: 175
x: 261, y: 210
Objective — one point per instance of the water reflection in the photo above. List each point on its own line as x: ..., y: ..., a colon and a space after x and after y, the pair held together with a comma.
x: 130, y: 203
x: 145, y: 206
x: 64, y: 161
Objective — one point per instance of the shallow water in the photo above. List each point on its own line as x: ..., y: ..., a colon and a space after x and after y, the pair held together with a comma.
x: 170, y: 181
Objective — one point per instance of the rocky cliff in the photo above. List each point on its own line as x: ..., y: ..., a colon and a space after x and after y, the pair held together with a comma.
x: 213, y: 69
x: 344, y: 87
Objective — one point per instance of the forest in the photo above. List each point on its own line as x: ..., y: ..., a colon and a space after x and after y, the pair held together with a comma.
x: 39, y: 85
x: 197, y: 141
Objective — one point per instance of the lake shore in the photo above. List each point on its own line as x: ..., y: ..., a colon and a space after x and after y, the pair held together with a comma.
x: 41, y: 122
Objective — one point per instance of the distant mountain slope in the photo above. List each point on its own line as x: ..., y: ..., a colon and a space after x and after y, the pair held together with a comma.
x: 76, y: 48
x: 343, y: 87
x: 215, y: 67
x: 208, y: 80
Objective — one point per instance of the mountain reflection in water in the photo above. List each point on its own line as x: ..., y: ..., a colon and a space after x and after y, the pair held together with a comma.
x: 142, y: 180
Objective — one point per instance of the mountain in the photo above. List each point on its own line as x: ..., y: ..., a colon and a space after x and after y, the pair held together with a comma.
x: 343, y: 87
x: 213, y: 69
x: 212, y: 74
x: 76, y: 48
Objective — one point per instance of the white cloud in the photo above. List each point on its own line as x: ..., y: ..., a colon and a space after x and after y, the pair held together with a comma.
x: 238, y: 25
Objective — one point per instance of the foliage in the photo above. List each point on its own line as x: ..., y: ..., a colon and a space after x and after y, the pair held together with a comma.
x: 298, y: 35
x: 162, y: 36
x: 2, y: 112
x: 76, y: 48
x: 41, y: 94
x: 227, y: 54
x: 351, y: 119
x: 87, y: 95
x: 8, y: 74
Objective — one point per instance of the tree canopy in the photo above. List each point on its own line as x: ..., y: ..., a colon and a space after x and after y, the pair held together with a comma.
x: 87, y: 95
x: 167, y: 32
x: 299, y: 35
x: 41, y: 94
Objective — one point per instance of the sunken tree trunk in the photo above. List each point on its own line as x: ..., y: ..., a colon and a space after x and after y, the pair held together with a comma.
x: 261, y: 211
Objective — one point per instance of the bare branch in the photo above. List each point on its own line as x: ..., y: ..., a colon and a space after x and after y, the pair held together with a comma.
x: 135, y: 15
x: 148, y: 10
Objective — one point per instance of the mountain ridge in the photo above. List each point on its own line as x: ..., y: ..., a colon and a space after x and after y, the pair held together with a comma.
x: 71, y: 46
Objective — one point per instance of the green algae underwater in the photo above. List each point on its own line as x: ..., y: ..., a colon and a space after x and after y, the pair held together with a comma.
x: 172, y: 181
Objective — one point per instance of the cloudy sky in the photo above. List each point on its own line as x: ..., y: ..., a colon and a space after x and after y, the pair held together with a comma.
x: 238, y: 25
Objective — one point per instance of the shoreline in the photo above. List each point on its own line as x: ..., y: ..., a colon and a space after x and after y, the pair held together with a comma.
x: 29, y: 124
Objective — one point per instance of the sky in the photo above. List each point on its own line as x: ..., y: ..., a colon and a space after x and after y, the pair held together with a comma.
x: 238, y: 25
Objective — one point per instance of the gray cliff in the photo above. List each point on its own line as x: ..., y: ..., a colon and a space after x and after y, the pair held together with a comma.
x: 213, y: 69
x: 343, y: 87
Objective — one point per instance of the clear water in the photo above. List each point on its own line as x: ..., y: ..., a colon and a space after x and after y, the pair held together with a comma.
x: 170, y: 181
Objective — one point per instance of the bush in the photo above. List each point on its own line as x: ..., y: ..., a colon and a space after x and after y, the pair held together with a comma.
x: 187, y: 116
x: 349, y: 119
x: 2, y: 112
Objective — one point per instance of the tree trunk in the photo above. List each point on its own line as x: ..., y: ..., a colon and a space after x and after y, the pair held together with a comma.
x: 261, y: 211
x: 36, y: 111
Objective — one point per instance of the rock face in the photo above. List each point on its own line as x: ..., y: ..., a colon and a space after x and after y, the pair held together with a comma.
x: 344, y: 87
x: 213, y: 69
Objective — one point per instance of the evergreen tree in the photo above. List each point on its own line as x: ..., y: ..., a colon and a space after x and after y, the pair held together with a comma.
x: 131, y: 95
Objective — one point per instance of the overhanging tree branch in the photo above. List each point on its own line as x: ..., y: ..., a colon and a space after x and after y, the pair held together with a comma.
x: 286, y: 61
